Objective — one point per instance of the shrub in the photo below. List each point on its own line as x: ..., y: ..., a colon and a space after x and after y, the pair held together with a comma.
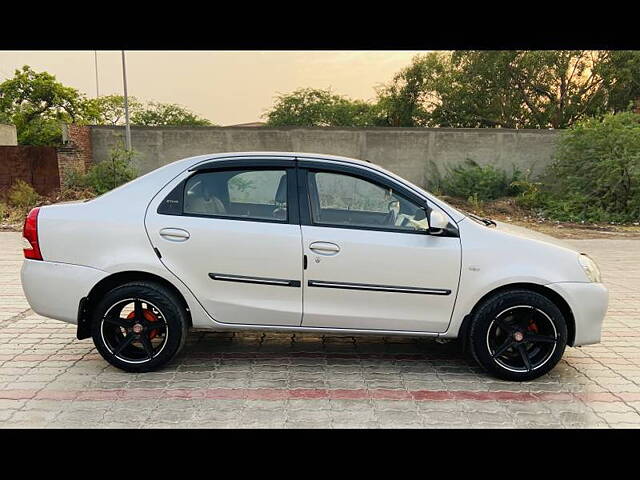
x: 596, y: 174
x: 22, y: 195
x: 470, y: 180
x: 102, y: 176
x: 112, y: 173
x: 530, y: 194
x: 3, y: 211
x: 74, y: 179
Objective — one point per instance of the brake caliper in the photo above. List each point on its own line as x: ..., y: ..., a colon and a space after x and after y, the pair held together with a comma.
x: 150, y: 317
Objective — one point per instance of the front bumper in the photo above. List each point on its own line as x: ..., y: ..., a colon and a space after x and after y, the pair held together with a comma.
x: 588, y: 302
x: 54, y: 290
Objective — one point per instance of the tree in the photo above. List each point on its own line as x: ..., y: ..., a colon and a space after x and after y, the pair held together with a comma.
x: 407, y: 100
x: 109, y: 109
x: 511, y: 89
x: 36, y: 103
x: 596, y: 173
x: 621, y: 71
x: 166, y: 114
x: 311, y: 107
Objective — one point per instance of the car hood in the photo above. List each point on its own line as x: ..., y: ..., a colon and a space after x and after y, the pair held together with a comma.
x: 518, y: 231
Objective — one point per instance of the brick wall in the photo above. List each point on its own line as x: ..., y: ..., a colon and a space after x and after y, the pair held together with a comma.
x: 76, y: 153
x: 35, y: 165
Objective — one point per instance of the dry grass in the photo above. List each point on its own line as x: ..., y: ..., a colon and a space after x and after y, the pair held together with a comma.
x: 12, y: 217
x: 506, y: 210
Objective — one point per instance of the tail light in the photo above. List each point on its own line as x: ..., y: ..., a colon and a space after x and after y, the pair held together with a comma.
x: 30, y: 234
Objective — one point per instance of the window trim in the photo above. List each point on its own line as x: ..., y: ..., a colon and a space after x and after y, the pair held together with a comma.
x: 304, y: 197
x: 288, y: 166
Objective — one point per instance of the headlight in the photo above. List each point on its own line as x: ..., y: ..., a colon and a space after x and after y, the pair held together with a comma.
x: 590, y: 268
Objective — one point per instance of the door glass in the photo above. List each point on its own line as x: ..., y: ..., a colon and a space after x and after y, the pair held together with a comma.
x: 340, y: 199
x: 254, y: 194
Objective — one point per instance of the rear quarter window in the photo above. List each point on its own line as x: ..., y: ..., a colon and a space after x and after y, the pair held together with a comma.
x: 173, y: 203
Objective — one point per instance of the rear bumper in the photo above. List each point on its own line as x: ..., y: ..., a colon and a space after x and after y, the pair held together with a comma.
x: 54, y: 290
x: 588, y: 302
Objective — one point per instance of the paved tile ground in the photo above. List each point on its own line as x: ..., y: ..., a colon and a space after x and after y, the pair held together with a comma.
x: 50, y: 379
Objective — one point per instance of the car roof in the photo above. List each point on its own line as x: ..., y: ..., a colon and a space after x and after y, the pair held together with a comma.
x: 279, y: 155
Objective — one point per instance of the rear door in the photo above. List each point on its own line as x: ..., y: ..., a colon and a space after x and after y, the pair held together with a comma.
x: 230, y: 231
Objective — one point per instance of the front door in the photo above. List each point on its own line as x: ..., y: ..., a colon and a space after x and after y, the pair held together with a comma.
x: 232, y: 236
x: 371, y: 263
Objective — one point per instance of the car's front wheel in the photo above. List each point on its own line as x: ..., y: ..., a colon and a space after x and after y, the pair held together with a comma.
x: 139, y: 326
x: 517, y: 335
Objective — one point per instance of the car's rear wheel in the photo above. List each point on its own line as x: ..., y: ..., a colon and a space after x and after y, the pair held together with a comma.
x: 517, y: 335
x: 139, y: 326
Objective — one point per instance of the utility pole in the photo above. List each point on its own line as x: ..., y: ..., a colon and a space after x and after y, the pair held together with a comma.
x: 127, y: 128
x: 95, y: 52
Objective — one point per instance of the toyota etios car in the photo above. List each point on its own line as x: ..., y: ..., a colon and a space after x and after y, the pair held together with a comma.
x: 303, y: 243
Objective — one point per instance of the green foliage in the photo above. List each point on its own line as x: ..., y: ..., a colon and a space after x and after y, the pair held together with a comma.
x: 471, y: 89
x: 22, y: 195
x: 3, y: 211
x: 74, y: 179
x: 311, y: 107
x: 475, y: 202
x: 166, y: 114
x: 102, y: 176
x: 109, y: 174
x: 109, y: 109
x: 596, y: 175
x: 36, y: 103
x: 408, y: 99
x: 531, y: 195
x: 470, y: 180
x: 511, y: 89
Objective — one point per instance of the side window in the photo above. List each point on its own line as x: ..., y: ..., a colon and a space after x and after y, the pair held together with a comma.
x: 346, y: 200
x: 248, y: 194
x: 172, y: 203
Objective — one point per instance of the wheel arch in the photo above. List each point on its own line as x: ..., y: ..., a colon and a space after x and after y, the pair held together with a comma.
x: 87, y: 303
x: 555, y: 297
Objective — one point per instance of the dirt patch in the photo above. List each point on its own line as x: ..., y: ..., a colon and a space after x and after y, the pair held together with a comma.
x: 506, y: 210
x: 13, y: 217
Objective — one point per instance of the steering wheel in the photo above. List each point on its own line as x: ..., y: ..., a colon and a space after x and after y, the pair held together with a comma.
x: 391, y: 218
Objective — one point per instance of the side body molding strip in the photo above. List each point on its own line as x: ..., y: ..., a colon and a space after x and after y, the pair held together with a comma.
x: 378, y: 288
x: 259, y: 280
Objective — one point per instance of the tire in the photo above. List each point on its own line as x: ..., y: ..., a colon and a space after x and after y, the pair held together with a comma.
x: 139, y: 326
x: 517, y: 335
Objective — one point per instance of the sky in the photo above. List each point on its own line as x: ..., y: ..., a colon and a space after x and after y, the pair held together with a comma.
x: 227, y: 87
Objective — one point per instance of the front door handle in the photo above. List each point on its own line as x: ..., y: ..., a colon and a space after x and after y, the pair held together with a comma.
x: 324, y: 248
x: 174, y: 234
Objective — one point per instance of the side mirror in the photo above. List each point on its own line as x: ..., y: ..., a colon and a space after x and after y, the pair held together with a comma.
x: 437, y: 221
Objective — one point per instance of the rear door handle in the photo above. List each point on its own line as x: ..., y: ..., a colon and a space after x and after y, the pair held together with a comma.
x: 174, y: 234
x: 324, y: 248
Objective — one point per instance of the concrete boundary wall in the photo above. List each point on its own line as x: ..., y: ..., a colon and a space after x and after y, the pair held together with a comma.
x: 414, y: 153
x: 8, y: 135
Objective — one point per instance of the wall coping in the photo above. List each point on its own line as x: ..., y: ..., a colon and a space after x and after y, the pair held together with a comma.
x: 353, y: 129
